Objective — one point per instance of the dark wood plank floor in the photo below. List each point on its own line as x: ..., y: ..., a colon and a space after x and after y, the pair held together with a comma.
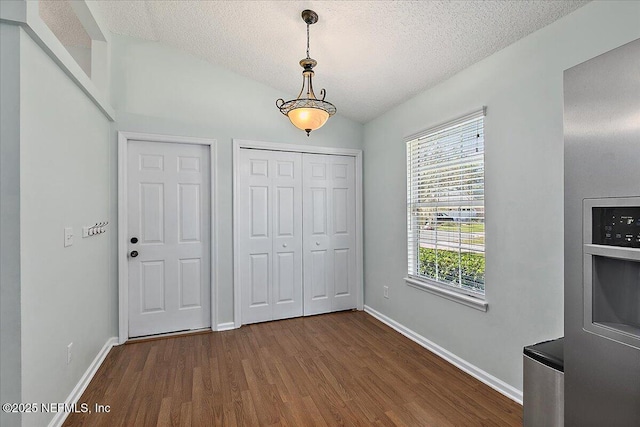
x: 335, y: 369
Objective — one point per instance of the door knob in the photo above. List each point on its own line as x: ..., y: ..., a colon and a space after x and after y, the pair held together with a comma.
x: 317, y: 243
x: 134, y: 254
x: 284, y: 245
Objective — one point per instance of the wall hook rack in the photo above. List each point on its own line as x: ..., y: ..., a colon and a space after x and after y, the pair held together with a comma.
x: 94, y: 230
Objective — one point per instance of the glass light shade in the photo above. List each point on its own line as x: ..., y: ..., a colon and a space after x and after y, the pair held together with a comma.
x: 308, y: 118
x: 307, y: 112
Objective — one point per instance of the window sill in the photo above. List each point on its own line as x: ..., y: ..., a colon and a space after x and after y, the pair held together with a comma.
x: 449, y: 294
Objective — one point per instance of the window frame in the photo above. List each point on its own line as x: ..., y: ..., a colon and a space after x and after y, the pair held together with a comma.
x: 464, y: 296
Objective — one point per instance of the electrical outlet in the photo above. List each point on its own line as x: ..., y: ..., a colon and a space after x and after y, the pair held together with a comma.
x: 69, y: 352
x: 386, y: 292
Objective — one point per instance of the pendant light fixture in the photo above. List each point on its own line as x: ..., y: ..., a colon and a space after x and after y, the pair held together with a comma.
x: 307, y: 112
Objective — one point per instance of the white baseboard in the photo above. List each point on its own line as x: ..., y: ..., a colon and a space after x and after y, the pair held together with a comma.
x: 493, y: 382
x: 77, y: 391
x: 225, y: 326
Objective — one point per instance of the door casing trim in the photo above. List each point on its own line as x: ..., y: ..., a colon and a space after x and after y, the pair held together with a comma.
x: 123, y: 266
x: 239, y: 144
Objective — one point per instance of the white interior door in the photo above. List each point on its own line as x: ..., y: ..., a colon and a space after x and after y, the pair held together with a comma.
x: 270, y: 235
x: 169, y: 237
x: 330, y: 269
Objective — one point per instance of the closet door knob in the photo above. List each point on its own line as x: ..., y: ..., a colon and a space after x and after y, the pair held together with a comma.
x: 284, y: 245
x: 317, y: 243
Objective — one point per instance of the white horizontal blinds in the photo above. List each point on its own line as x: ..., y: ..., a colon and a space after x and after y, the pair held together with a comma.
x: 445, y: 198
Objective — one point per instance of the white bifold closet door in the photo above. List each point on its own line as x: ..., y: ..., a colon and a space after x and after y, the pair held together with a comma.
x: 270, y: 235
x: 329, y: 236
x: 296, y: 228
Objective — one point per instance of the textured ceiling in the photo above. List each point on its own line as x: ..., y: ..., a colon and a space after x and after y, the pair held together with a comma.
x: 64, y: 23
x: 372, y: 55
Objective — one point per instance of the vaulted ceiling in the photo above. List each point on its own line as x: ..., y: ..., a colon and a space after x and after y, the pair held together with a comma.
x: 372, y: 55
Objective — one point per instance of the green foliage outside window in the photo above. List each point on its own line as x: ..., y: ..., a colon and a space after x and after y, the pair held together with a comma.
x: 464, y: 269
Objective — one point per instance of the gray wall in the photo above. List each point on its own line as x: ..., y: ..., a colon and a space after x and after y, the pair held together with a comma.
x: 10, y: 351
x: 158, y: 89
x: 522, y: 89
x: 66, y: 293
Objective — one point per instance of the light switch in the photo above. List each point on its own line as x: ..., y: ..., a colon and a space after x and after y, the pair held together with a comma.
x: 68, y: 236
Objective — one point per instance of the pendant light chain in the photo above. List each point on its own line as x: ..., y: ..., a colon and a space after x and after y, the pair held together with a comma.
x: 307, y: 41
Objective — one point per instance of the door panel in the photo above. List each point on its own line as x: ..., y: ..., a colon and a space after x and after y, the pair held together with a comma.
x: 270, y: 228
x: 259, y: 211
x: 285, y: 169
x: 319, y: 285
x: 285, y: 278
x: 319, y: 211
x: 152, y: 212
x: 330, y: 233
x: 152, y: 286
x: 190, y: 283
x: 340, y: 210
x: 341, y: 272
x: 259, y: 292
x: 286, y: 211
x: 188, y: 164
x: 189, y: 212
x: 169, y: 212
x: 151, y: 162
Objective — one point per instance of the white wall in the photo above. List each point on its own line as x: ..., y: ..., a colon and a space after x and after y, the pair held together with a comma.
x: 10, y: 351
x: 522, y: 89
x: 67, y: 293
x: 158, y: 89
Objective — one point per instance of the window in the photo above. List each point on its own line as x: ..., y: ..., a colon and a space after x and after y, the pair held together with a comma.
x: 445, y: 205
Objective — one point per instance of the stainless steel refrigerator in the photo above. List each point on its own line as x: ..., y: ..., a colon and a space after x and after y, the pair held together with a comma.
x: 602, y: 240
